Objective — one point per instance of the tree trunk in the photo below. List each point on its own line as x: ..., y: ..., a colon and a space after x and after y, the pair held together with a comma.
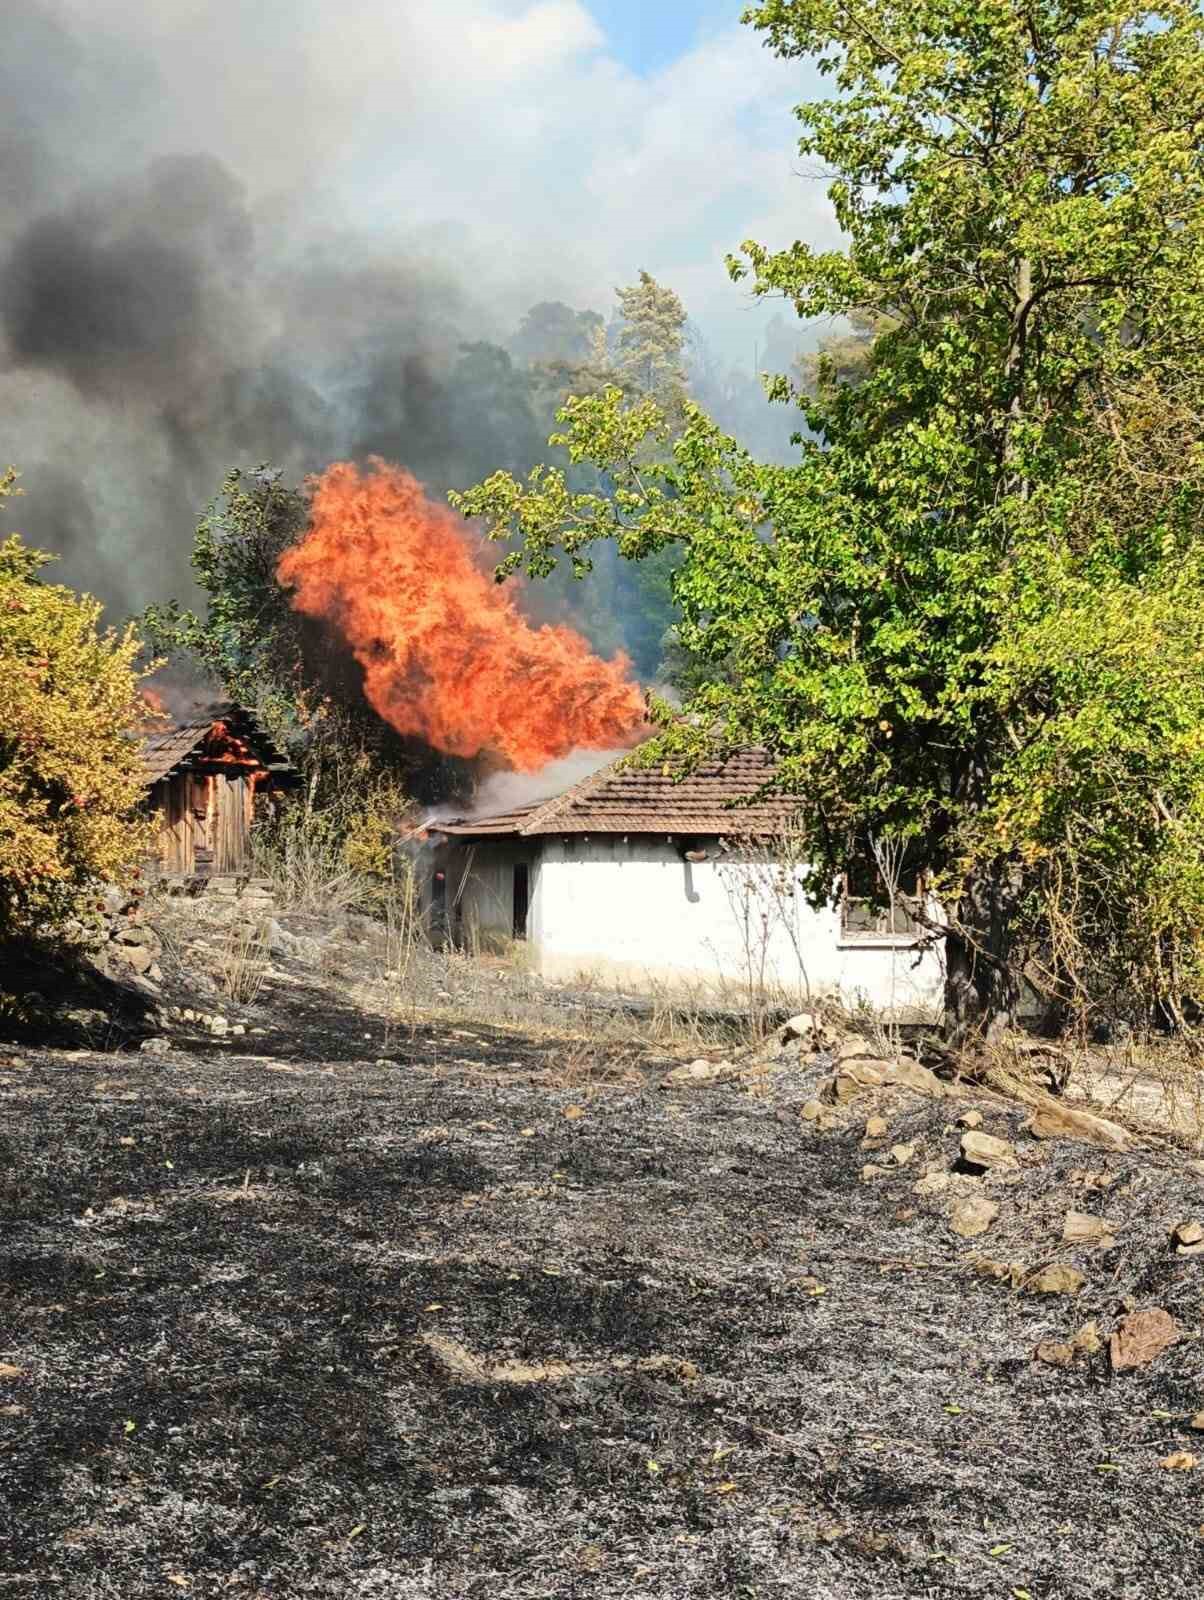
x: 982, y: 985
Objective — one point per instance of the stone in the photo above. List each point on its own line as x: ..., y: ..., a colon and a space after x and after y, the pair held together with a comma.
x: 1188, y: 1239
x: 137, y: 934
x: 699, y: 1072
x: 1197, y: 1422
x: 933, y: 1183
x: 137, y: 957
x: 188, y: 1014
x: 984, y: 1152
x: 1063, y: 1122
x: 876, y: 1127
x: 851, y: 1048
x: 1080, y: 1228
x: 8, y: 1372
x: 970, y: 1119
x: 808, y: 1029
x: 1057, y: 1278
x: 812, y: 1110
x: 855, y: 1077
x: 218, y: 1026
x: 971, y: 1217
x: 1087, y: 1339
x: 902, y: 1153
x: 155, y: 1047
x: 238, y: 1029
x: 1054, y: 1354
x: 1141, y: 1337
x: 870, y: 1170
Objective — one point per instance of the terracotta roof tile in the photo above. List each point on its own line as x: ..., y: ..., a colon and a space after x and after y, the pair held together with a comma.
x: 624, y: 799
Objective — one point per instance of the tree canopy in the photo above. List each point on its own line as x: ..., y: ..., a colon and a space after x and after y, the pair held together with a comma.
x: 969, y: 615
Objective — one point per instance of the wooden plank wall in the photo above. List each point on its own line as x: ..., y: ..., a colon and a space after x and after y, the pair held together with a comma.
x: 226, y: 801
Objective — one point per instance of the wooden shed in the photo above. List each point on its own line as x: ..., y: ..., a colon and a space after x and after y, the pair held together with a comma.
x: 204, y: 777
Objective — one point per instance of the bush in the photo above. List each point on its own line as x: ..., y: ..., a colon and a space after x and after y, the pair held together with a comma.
x: 70, y: 776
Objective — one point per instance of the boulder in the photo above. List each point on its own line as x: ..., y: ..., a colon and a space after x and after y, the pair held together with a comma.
x: 1188, y: 1239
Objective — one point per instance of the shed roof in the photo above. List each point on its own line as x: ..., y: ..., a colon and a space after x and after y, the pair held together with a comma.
x: 713, y: 800
x: 170, y: 746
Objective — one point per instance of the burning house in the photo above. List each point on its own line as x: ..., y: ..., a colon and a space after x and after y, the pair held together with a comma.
x: 203, y: 778
x: 638, y: 879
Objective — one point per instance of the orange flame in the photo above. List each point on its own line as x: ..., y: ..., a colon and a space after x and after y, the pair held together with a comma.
x: 446, y: 655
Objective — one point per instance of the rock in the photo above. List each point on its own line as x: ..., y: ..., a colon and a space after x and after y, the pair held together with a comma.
x: 971, y: 1217
x: 875, y: 1127
x: 1080, y: 1228
x: 218, y: 1026
x: 1057, y: 1278
x: 855, y: 1077
x: 970, y: 1119
x: 932, y: 1183
x: 984, y: 1152
x: 1197, y: 1422
x: 1141, y: 1337
x: 852, y: 1048
x: 1180, y: 1461
x: 699, y: 1072
x: 1063, y: 1122
x: 137, y: 933
x: 155, y: 1047
x: 1188, y: 1239
x: 8, y: 1372
x: 188, y: 1015
x: 807, y: 1028
x: 238, y: 1029
x: 813, y: 1110
x: 1087, y: 1339
x: 136, y: 956
x: 902, y: 1153
x: 870, y: 1170
x: 1054, y: 1354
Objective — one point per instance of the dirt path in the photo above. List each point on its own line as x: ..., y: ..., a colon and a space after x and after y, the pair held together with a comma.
x: 307, y: 1326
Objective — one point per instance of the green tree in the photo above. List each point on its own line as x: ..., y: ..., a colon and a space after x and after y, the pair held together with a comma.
x: 953, y: 624
x: 70, y: 774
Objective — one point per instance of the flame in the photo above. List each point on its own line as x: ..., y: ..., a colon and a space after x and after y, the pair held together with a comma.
x: 446, y: 654
x: 223, y: 748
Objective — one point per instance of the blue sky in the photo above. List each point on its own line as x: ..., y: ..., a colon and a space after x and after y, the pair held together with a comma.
x: 648, y: 34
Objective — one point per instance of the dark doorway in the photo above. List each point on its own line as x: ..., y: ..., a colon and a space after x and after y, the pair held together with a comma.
x: 522, y: 898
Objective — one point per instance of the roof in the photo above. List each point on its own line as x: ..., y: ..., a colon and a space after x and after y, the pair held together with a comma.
x: 628, y: 799
x: 168, y: 747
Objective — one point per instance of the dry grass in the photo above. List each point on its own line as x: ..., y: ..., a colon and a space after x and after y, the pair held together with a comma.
x: 240, y: 963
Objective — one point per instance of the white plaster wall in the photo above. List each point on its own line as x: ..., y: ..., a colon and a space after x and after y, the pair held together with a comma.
x: 632, y: 913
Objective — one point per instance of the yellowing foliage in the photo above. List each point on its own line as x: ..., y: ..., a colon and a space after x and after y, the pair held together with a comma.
x: 69, y: 773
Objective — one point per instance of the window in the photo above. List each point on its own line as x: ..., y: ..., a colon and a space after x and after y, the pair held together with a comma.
x: 865, y: 910
x: 522, y: 898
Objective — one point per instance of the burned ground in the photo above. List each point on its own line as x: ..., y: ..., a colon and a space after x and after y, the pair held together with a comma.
x: 295, y: 1315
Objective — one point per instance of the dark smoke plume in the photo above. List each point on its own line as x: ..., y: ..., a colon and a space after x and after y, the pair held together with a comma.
x: 161, y: 319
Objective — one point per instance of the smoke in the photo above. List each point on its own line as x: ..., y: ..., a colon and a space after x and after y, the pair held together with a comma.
x: 510, y: 791
x: 179, y: 290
